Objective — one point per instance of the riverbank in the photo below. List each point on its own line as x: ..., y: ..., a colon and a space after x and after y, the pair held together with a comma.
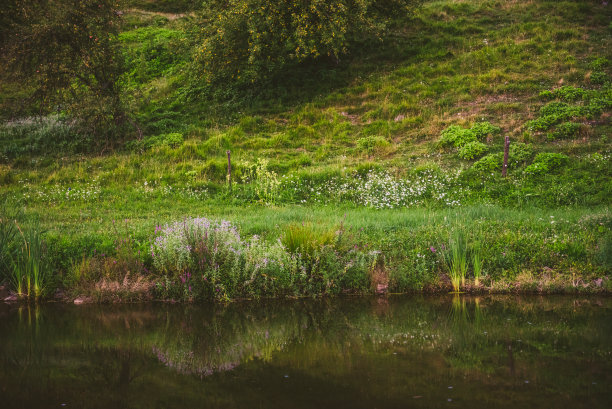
x: 297, y: 251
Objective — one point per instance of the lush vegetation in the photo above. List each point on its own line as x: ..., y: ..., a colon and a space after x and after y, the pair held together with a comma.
x: 373, y: 161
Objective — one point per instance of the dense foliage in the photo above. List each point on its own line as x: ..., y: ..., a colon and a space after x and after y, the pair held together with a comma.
x: 67, y: 52
x: 247, y: 41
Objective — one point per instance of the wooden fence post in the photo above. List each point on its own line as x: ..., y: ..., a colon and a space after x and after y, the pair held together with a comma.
x: 229, y: 170
x: 506, y: 152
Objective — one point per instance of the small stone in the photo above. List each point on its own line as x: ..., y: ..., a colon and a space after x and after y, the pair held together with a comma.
x: 11, y: 298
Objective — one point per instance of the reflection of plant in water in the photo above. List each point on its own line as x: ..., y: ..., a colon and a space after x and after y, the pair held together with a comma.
x: 226, y: 341
x: 459, y: 314
x: 101, y: 350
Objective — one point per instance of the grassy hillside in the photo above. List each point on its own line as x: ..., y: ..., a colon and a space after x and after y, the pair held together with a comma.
x: 414, y: 122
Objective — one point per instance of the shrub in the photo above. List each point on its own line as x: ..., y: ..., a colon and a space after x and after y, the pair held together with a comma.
x: 546, y: 163
x: 472, y: 150
x: 490, y: 163
x: 200, y: 258
x: 484, y: 129
x: 553, y: 113
x: 599, y: 77
x: 170, y: 250
x: 599, y: 63
x: 456, y: 136
x: 519, y: 153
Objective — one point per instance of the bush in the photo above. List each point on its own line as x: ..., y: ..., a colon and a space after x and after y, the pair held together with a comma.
x: 490, y: 163
x: 200, y: 258
x: 457, y: 136
x: 472, y: 150
x: 519, y: 153
x: 546, y: 163
x: 599, y: 77
x: 484, y: 129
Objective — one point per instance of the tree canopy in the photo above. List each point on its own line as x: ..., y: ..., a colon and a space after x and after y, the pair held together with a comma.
x: 67, y: 52
x: 244, y: 41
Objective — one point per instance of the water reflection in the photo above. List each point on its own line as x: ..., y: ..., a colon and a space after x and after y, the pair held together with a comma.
x: 363, y: 352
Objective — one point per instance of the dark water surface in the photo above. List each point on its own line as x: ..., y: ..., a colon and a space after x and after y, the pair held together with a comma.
x: 396, y: 352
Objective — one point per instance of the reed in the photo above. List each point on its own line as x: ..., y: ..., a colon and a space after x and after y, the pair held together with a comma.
x: 477, y: 263
x: 30, y: 270
x: 455, y: 258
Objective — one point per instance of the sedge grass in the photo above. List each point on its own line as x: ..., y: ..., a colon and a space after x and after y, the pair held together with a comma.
x: 456, y: 259
x: 30, y: 271
x: 477, y: 264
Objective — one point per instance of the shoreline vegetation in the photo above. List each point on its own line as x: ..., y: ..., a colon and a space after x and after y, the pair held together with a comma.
x: 373, y: 169
x: 268, y: 253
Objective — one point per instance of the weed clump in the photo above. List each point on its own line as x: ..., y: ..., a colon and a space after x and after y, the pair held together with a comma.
x: 546, y: 163
x: 565, y: 130
x: 472, y: 150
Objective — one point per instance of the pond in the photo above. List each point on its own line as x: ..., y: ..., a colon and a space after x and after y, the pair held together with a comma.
x: 393, y: 352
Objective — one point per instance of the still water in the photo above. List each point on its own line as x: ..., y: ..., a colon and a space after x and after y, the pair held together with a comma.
x: 395, y: 352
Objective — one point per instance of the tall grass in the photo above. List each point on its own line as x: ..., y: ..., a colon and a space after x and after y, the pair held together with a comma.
x: 304, y: 239
x: 30, y: 270
x: 477, y: 263
x: 456, y: 258
x: 8, y: 233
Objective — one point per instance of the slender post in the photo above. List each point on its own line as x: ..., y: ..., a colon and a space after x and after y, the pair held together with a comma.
x: 506, y: 152
x: 229, y: 170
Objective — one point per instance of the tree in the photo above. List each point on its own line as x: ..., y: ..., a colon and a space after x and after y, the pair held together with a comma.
x: 67, y: 52
x: 244, y: 41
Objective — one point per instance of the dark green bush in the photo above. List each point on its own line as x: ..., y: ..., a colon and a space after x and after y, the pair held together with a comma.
x: 472, y: 150
x: 519, y: 153
x: 247, y: 41
x: 490, y: 163
x: 546, y: 163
